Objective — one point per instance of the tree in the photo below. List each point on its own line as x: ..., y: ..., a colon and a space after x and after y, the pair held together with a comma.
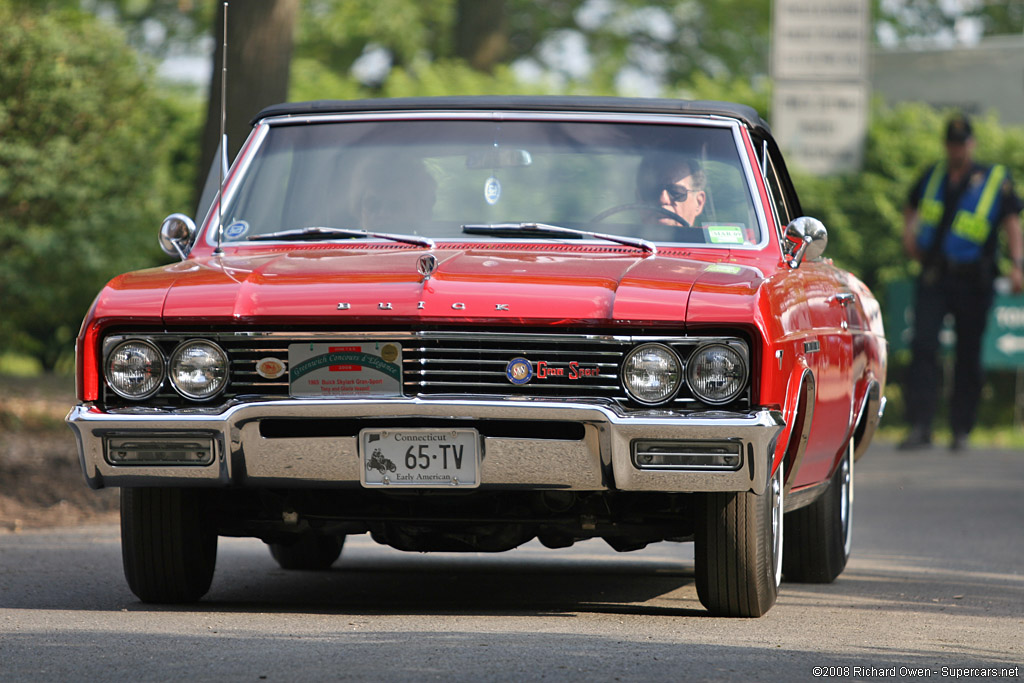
x: 260, y: 37
x: 612, y: 40
x: 83, y: 184
x: 906, y: 21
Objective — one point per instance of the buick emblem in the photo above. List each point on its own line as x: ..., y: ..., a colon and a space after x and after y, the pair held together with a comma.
x: 519, y: 371
x: 426, y: 265
x: 270, y: 368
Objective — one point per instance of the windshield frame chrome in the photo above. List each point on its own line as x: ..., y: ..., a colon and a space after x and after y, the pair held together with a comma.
x: 262, y: 128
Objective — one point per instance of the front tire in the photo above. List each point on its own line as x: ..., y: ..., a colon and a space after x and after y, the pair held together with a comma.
x: 168, y: 544
x: 818, y: 536
x: 738, y: 551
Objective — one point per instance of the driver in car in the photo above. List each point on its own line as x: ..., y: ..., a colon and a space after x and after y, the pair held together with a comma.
x: 673, y: 185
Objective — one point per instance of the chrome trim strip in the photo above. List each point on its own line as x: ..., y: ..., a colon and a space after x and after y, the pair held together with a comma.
x: 870, y: 414
x: 797, y: 446
x: 498, y: 115
x: 229, y: 184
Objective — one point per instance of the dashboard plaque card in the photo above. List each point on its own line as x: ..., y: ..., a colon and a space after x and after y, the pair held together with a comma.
x: 345, y: 369
x: 419, y: 458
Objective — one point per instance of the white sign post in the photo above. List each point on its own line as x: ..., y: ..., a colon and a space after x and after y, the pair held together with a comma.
x: 820, y: 72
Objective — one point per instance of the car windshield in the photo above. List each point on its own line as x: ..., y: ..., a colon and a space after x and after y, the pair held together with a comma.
x: 458, y: 178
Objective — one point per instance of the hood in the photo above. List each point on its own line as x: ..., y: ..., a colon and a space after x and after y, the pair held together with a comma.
x: 314, y: 286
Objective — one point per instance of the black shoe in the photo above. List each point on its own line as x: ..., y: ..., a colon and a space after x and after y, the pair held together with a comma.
x: 917, y: 439
x: 959, y: 443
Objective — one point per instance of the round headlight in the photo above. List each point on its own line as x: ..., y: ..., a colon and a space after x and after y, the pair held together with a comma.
x: 716, y: 373
x: 651, y: 373
x: 135, y: 369
x: 199, y: 369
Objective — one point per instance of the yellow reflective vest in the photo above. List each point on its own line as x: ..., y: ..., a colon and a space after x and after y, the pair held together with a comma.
x: 976, y: 216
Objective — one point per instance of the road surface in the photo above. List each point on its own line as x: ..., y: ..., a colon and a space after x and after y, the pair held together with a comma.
x: 935, y: 588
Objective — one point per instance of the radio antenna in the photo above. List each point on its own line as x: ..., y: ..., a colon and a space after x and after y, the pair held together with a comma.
x: 223, y: 135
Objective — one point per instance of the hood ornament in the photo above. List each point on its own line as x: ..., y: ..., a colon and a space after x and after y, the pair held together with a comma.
x: 426, y: 265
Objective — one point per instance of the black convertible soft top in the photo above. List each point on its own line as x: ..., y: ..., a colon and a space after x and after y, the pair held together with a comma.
x: 622, y: 105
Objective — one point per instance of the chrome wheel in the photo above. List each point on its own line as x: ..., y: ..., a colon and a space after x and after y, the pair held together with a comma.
x: 777, y: 525
x: 846, y: 499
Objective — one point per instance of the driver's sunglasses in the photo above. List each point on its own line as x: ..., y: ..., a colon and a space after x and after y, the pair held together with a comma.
x: 677, y: 193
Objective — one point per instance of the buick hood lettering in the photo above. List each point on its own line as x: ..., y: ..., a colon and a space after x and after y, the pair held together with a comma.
x: 517, y: 284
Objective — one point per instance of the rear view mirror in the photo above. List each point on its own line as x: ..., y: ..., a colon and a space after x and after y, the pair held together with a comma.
x: 499, y: 157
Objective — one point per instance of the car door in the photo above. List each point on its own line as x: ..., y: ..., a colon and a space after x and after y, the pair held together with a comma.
x: 831, y: 320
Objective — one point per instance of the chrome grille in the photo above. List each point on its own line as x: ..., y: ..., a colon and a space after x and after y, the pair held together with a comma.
x: 443, y: 362
x: 562, y: 365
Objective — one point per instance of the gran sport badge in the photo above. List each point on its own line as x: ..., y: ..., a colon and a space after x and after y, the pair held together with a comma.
x: 519, y: 371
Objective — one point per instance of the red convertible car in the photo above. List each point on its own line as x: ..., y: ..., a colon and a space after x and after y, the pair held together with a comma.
x: 461, y: 324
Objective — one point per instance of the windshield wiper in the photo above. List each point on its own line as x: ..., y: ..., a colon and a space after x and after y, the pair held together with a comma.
x: 315, y: 233
x: 543, y: 229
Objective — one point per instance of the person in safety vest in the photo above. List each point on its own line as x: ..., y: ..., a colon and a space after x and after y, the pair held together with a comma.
x: 951, y: 226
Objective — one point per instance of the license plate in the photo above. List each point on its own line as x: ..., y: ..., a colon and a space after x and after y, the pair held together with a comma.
x: 419, y: 458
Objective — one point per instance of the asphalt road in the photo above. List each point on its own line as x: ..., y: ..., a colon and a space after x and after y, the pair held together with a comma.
x: 935, y: 588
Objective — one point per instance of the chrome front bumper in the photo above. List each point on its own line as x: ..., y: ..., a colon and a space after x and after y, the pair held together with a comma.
x: 600, y: 460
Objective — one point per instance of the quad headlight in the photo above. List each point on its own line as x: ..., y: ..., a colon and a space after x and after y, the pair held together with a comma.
x: 198, y: 369
x: 716, y: 373
x: 135, y: 369
x: 652, y: 373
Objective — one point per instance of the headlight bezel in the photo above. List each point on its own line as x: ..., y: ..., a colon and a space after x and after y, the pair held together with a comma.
x: 158, y: 357
x: 217, y: 388
x: 741, y: 384
x: 676, y: 385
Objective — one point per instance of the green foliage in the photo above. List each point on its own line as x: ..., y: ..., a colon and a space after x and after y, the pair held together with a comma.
x: 336, y: 34
x: 666, y: 39
x: 421, y: 78
x: 87, y: 158
x: 753, y: 93
x: 864, y: 211
x: 908, y: 21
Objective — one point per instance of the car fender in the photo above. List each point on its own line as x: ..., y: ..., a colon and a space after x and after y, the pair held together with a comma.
x: 798, y: 413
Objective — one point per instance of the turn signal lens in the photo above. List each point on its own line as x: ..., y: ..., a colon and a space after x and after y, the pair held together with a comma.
x: 135, y: 369
x: 651, y: 374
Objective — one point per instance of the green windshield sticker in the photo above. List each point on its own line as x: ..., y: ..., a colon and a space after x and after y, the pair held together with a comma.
x: 725, y: 234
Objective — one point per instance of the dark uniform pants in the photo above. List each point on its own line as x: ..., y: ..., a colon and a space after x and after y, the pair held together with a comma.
x: 968, y: 298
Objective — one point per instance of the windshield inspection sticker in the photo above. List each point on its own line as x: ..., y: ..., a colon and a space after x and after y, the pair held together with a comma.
x: 726, y: 268
x: 492, y: 191
x: 725, y: 234
x: 236, y: 230
x: 345, y: 369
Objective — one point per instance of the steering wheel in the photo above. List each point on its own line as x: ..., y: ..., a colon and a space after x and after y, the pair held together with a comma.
x: 649, y: 208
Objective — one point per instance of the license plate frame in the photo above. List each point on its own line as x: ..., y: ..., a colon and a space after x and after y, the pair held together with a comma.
x: 420, y: 457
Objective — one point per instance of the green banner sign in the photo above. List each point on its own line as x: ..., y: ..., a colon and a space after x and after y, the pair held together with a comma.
x: 1002, y: 344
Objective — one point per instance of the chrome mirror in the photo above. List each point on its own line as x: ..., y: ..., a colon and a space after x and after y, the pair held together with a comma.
x: 176, y: 233
x: 806, y: 238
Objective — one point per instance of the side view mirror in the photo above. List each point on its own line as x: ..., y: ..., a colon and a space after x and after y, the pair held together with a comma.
x: 176, y: 234
x: 806, y: 238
